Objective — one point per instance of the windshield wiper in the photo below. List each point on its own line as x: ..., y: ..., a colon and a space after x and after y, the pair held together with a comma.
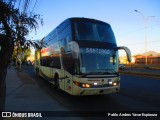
x: 100, y: 73
x: 111, y: 71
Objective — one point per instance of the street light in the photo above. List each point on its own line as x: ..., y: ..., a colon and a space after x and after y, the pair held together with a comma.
x: 145, y: 20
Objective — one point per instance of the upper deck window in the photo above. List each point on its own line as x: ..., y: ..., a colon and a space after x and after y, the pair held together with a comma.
x: 93, y: 31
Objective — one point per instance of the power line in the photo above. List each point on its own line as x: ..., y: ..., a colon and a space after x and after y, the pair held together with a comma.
x: 14, y: 2
x: 24, y: 6
x: 34, y: 6
x: 139, y: 43
x: 130, y: 32
x: 26, y: 3
x: 29, y: 6
x: 19, y: 4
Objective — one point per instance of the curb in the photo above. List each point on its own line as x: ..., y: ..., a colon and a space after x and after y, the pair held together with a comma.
x: 141, y: 73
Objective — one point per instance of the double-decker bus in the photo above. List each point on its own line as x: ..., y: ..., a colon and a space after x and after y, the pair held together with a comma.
x: 81, y: 57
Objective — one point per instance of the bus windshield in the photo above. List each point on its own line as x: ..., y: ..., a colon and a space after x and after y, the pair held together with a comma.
x: 98, y: 61
x: 93, y: 31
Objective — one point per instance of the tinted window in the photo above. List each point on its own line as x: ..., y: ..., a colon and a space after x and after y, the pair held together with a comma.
x: 68, y: 63
x: 52, y: 61
x: 93, y: 32
x: 98, y: 60
x: 55, y: 62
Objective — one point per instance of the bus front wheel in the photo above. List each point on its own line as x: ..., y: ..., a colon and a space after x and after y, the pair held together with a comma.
x: 56, y: 81
x: 37, y: 72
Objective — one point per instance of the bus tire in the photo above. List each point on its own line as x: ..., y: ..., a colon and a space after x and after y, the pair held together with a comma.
x: 56, y: 81
x: 37, y: 72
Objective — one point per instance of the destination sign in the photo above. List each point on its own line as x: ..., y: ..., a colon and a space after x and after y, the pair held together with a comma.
x: 98, y: 51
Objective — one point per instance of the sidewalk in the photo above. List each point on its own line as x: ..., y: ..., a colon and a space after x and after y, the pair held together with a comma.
x: 23, y: 94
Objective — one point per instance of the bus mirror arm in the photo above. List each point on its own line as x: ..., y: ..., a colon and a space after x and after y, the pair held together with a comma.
x: 128, y: 52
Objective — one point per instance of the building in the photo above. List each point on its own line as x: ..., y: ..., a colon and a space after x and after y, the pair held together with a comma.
x: 150, y: 60
x: 123, y: 60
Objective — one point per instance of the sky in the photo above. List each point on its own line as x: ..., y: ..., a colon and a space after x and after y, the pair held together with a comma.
x: 128, y: 25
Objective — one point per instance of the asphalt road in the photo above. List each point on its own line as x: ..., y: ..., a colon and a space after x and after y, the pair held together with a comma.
x: 138, y: 93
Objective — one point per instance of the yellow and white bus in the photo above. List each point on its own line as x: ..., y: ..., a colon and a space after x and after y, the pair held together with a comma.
x: 81, y: 57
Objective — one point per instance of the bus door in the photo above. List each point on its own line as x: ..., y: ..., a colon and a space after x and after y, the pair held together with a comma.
x: 68, y: 82
x: 68, y: 66
x: 55, y: 66
x: 52, y: 73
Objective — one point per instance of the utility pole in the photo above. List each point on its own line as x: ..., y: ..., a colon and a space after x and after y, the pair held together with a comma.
x: 145, y: 20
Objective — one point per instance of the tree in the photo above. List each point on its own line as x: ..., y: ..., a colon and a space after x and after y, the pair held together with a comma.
x: 18, y: 50
x: 14, y: 26
x: 27, y: 53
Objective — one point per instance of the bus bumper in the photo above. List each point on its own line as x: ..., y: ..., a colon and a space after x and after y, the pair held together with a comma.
x: 95, y: 91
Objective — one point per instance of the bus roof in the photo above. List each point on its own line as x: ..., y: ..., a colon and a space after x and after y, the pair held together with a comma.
x: 74, y: 19
x: 86, y: 19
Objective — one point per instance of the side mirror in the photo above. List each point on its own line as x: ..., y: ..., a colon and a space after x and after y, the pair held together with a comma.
x: 74, y: 47
x: 128, y: 52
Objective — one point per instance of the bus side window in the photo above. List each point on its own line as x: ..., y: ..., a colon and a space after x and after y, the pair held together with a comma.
x: 68, y: 63
x: 68, y: 39
x: 52, y: 63
x: 64, y: 43
x: 55, y: 62
x: 41, y: 60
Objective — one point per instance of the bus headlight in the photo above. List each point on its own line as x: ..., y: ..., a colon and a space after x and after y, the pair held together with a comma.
x: 110, y: 82
x: 77, y: 83
x: 95, y: 83
x: 114, y: 84
x: 84, y: 85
